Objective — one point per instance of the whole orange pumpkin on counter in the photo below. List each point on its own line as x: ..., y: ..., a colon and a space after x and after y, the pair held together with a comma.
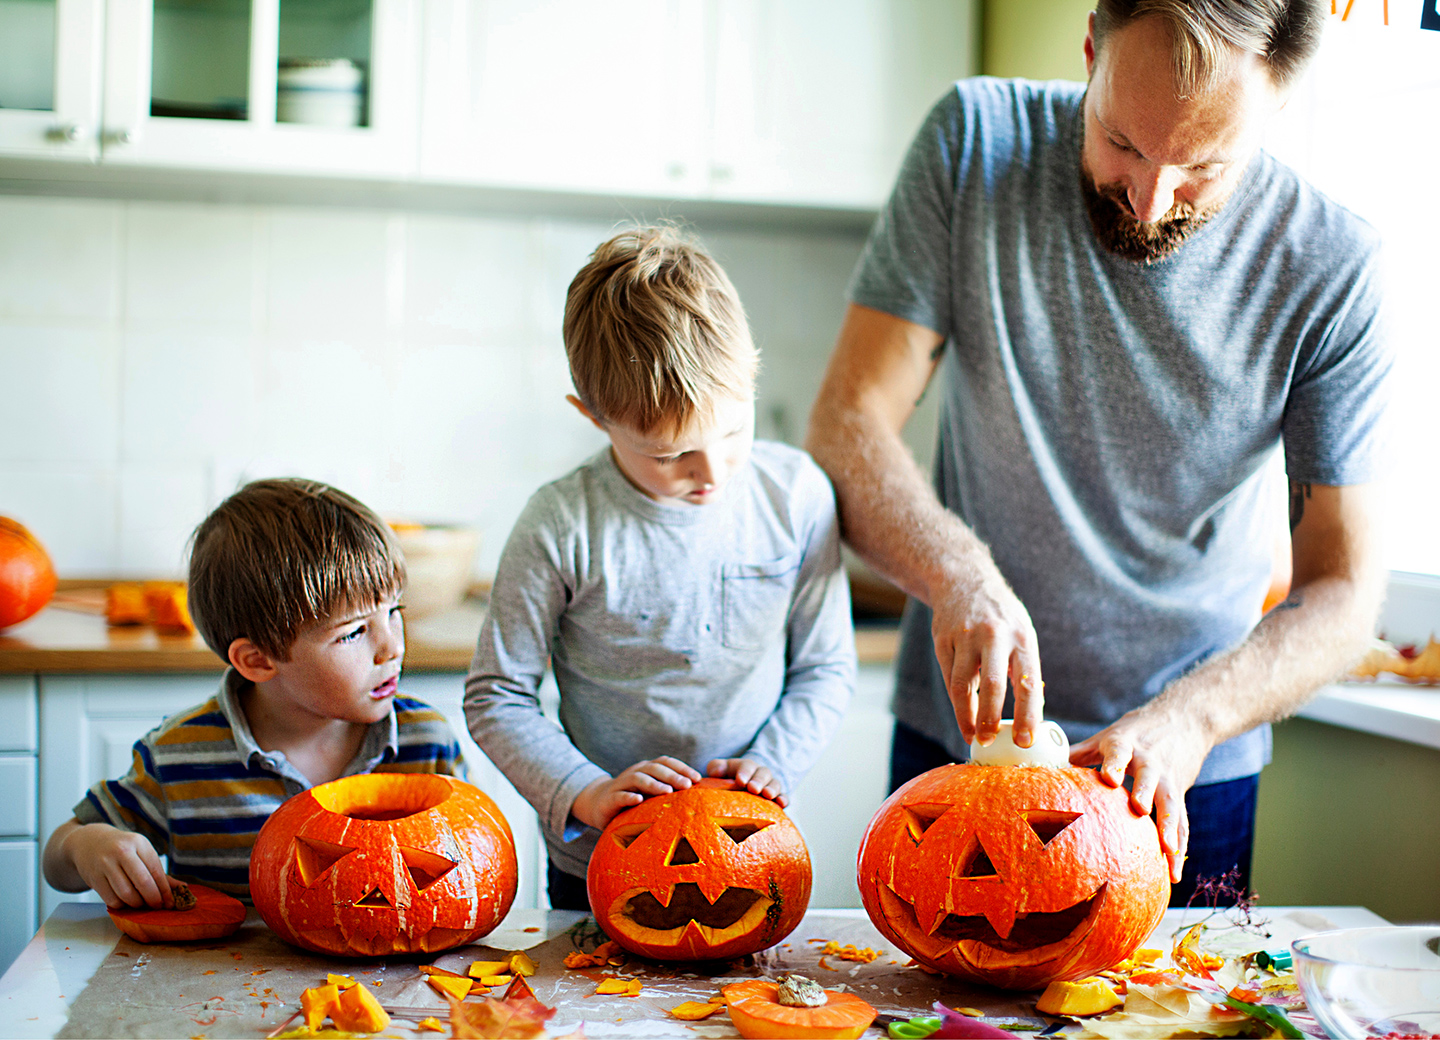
x: 708, y: 872
x: 27, y: 577
x: 1014, y: 876
x: 384, y: 863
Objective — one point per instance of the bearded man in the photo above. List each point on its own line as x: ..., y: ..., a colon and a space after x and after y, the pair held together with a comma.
x: 1134, y: 309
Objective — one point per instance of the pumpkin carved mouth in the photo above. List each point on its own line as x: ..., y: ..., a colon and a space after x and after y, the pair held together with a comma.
x: 1029, y: 932
x: 688, y: 903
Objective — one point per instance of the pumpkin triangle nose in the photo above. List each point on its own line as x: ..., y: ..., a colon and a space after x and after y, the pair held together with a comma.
x: 375, y: 898
x: 684, y: 853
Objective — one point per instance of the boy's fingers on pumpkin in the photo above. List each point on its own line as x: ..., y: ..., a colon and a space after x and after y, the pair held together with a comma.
x: 675, y: 765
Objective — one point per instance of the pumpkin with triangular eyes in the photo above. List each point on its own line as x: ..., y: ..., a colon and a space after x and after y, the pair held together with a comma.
x: 705, y: 873
x: 1014, y: 876
x: 384, y: 863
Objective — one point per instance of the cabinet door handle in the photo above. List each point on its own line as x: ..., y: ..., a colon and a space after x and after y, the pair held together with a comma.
x: 70, y: 132
x: 123, y: 136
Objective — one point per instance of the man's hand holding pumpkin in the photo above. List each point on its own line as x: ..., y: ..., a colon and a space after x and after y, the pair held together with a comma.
x: 983, y: 636
x: 1162, y: 750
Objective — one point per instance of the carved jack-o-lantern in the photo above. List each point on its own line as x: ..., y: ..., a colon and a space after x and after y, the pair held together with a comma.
x: 384, y: 863
x: 1013, y: 875
x: 709, y: 872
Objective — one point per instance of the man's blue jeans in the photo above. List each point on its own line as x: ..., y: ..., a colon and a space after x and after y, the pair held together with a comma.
x: 1222, y: 820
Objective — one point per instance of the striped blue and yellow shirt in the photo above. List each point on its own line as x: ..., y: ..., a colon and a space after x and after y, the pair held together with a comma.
x: 200, y: 787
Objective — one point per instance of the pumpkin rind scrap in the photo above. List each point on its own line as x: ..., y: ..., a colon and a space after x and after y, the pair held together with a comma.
x: 756, y: 1010
x: 214, y: 916
x: 709, y: 872
x: 1014, y: 876
x: 384, y: 863
x: 27, y: 577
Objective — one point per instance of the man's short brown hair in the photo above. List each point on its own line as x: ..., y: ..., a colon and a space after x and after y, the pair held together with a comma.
x: 279, y: 555
x: 1283, y: 34
x: 655, y: 332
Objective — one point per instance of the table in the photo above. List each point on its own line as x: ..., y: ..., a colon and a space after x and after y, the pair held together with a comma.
x: 37, y: 992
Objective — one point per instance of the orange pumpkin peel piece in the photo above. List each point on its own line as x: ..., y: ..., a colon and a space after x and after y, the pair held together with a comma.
x: 357, y: 1011
x: 694, y: 1011
x: 756, y: 1010
x: 214, y: 916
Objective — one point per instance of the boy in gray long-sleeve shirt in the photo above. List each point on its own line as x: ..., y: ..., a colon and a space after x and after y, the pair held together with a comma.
x: 685, y: 583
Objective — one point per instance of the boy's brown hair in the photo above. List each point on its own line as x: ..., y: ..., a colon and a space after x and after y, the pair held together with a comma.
x: 281, y: 554
x: 655, y: 332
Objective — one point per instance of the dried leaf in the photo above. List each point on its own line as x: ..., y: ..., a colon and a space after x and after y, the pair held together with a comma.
x: 493, y: 1019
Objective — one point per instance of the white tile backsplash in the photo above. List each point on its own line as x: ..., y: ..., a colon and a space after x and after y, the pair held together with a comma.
x: 73, y: 510
x: 189, y: 265
x: 62, y: 401
x: 159, y: 506
x: 327, y: 273
x: 169, y: 352
x: 59, y: 259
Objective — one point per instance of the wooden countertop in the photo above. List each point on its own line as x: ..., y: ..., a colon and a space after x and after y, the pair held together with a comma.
x: 68, y: 636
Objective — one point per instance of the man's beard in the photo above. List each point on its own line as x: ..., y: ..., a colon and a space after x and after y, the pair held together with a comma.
x: 1125, y: 236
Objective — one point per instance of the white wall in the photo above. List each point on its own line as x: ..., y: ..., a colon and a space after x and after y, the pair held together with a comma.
x: 1362, y: 126
x: 154, y: 355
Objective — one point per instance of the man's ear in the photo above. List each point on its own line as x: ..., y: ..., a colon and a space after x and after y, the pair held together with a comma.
x: 250, y: 661
x: 580, y: 407
x: 1090, y: 46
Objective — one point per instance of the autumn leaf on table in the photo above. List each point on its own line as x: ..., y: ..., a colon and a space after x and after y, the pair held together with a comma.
x: 493, y: 1019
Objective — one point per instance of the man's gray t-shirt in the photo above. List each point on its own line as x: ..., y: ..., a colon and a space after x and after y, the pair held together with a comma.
x: 1105, y: 423
x: 699, y: 632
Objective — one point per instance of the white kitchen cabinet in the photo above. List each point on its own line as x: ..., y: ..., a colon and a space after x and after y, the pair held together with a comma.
x: 19, y: 860
x: 815, y: 101
x: 50, y: 78
x: 566, y: 95
x: 804, y: 102
x: 192, y: 83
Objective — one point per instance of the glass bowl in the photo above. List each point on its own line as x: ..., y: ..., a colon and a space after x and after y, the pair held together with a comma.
x: 1361, y: 982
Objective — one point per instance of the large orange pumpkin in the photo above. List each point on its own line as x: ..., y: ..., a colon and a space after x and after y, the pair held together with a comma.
x: 384, y: 863
x: 27, y: 577
x: 708, y: 872
x: 1013, y: 875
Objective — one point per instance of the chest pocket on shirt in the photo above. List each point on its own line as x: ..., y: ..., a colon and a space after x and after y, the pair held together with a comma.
x: 755, y: 600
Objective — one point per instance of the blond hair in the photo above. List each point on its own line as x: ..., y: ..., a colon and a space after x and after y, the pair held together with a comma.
x: 279, y: 555
x: 1283, y: 34
x: 655, y: 332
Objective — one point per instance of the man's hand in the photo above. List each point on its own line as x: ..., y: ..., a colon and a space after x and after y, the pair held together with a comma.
x: 983, y: 636
x: 603, y: 800
x: 121, y: 866
x: 757, y: 778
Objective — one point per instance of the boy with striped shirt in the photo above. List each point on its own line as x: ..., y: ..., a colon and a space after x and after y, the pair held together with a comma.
x: 297, y: 585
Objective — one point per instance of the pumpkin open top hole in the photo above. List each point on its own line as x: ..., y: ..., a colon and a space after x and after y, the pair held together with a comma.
x: 381, y: 801
x: 688, y: 903
x: 1029, y: 932
x: 1047, y: 825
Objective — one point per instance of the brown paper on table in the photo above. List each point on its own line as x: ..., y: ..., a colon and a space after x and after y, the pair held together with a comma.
x: 161, y: 990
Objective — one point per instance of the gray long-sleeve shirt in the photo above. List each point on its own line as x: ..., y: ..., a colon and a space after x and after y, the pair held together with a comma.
x: 700, y: 632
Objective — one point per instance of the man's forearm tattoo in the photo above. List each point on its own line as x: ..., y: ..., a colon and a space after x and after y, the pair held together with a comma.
x: 1298, y: 494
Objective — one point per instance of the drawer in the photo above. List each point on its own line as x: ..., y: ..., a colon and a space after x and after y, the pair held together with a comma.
x: 18, y: 807
x: 18, y: 865
x: 18, y: 713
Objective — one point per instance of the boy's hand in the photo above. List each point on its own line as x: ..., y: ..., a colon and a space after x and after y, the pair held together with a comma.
x: 121, y: 866
x: 756, y: 778
x: 603, y: 800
